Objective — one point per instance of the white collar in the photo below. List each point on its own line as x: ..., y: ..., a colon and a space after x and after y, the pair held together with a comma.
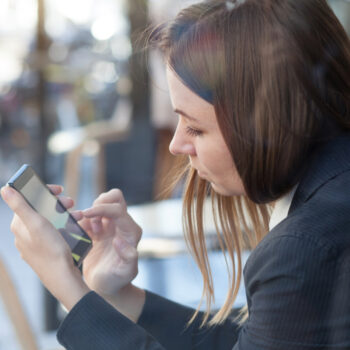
x: 280, y: 211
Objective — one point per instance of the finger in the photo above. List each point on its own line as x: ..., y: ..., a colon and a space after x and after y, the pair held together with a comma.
x: 77, y: 215
x: 96, y: 225
x: 21, y: 234
x: 72, y: 227
x: 113, y: 196
x: 17, y: 226
x: 66, y: 201
x: 113, y: 211
x: 85, y: 224
x: 55, y: 189
x: 18, y: 204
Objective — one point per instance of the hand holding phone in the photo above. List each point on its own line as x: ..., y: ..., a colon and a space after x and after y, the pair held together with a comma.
x: 45, y: 250
x: 39, y: 197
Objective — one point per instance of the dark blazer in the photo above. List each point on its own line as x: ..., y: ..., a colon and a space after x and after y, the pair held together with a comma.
x: 297, y: 283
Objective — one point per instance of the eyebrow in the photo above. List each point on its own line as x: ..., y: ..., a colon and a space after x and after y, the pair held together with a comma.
x: 176, y: 110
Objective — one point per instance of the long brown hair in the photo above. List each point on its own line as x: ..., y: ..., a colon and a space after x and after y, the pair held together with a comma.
x: 277, y: 73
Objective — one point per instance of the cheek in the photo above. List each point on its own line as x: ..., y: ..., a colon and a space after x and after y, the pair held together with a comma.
x: 227, y: 181
x: 219, y: 167
x: 208, y: 157
x: 215, y: 158
x: 222, y: 161
x: 224, y: 173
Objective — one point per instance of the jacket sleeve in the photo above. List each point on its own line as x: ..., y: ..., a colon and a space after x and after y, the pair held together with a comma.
x: 95, y: 324
x: 167, y: 322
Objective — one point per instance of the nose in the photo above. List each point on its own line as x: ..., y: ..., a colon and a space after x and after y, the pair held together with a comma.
x: 181, y: 144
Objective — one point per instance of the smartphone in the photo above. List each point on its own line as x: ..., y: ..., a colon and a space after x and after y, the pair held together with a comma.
x: 39, y: 197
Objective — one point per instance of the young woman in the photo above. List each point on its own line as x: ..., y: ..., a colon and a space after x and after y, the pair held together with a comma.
x: 262, y: 90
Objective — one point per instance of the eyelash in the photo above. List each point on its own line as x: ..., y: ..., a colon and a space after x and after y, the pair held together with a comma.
x: 193, y: 132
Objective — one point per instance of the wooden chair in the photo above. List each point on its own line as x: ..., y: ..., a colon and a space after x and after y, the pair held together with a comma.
x: 17, y: 316
x: 13, y: 306
x: 96, y: 134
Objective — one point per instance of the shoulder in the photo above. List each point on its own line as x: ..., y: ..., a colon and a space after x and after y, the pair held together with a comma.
x: 298, y: 277
x: 314, y: 238
x: 321, y: 225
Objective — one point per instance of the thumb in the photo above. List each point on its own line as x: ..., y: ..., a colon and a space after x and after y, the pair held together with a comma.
x: 18, y: 204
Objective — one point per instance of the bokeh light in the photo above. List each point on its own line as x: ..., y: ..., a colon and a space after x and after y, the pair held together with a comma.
x: 10, y: 67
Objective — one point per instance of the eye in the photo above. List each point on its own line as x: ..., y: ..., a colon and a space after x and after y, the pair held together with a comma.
x: 193, y: 132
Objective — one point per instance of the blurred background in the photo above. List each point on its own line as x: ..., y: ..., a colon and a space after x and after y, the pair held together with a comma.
x: 83, y: 104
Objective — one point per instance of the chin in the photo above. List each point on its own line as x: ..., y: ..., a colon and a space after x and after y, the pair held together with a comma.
x: 221, y: 190
x: 227, y: 192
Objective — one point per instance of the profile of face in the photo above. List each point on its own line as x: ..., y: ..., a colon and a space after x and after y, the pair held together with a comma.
x: 198, y: 136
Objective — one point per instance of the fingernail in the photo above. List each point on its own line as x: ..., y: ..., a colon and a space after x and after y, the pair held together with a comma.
x: 78, y: 215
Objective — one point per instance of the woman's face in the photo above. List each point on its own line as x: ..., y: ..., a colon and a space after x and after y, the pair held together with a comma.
x: 198, y: 136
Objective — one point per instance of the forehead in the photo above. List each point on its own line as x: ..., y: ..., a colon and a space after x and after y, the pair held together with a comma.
x: 184, y: 99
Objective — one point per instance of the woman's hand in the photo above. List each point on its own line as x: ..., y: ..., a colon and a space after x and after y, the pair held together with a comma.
x: 111, y: 264
x: 44, y: 249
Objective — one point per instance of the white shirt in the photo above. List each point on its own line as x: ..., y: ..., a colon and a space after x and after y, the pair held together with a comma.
x: 280, y: 211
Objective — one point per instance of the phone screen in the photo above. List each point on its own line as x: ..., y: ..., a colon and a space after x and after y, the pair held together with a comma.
x: 45, y: 203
